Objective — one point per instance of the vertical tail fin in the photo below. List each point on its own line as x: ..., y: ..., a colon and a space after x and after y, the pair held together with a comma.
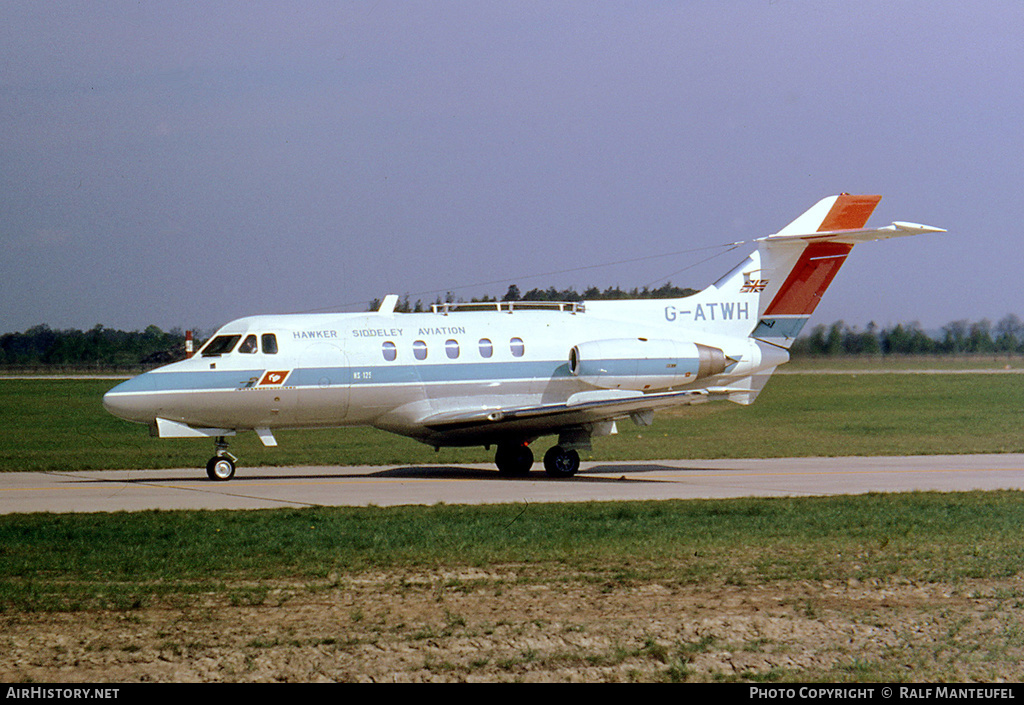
x: 800, y: 261
x: 771, y: 294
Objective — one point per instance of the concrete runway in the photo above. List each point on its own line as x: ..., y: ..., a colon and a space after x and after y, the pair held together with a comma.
x: 267, y: 488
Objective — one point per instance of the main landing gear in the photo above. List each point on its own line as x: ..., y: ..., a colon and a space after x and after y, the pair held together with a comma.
x: 561, y: 462
x: 222, y: 465
x: 516, y: 459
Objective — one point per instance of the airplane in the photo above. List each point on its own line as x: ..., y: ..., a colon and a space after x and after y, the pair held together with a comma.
x: 506, y: 373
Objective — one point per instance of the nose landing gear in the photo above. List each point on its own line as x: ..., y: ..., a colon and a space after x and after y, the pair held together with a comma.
x: 221, y: 466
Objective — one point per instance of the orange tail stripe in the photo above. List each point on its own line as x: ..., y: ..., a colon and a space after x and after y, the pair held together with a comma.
x: 849, y: 213
x: 818, y: 265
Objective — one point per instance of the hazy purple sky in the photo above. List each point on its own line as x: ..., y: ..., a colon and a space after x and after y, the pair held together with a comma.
x: 183, y: 164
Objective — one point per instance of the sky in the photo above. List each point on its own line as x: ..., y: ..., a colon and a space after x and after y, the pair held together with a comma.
x: 185, y: 164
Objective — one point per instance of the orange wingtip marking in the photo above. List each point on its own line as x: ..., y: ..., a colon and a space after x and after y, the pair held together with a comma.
x: 849, y: 212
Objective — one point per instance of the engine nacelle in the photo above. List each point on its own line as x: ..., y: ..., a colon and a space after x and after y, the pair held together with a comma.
x: 641, y: 364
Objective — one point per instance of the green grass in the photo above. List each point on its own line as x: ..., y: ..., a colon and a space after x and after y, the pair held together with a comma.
x: 972, y: 361
x: 124, y: 560
x: 61, y: 425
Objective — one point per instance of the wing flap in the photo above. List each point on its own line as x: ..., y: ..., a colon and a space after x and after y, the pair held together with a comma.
x: 586, y: 407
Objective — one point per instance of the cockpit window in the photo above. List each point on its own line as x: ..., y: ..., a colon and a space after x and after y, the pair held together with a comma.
x: 221, y: 345
x: 248, y: 345
x: 269, y: 341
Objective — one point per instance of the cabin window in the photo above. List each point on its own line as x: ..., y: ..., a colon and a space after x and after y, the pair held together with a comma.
x: 269, y: 341
x: 451, y: 349
x: 486, y: 348
x: 248, y: 345
x: 517, y: 347
x: 389, y: 350
x: 419, y: 350
x: 221, y: 345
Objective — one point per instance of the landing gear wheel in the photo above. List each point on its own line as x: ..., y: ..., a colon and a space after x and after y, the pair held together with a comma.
x: 559, y: 462
x: 220, y: 468
x: 514, y: 460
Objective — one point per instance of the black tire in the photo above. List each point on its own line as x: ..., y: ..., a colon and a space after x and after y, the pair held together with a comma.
x: 220, y: 468
x: 514, y: 460
x: 559, y: 462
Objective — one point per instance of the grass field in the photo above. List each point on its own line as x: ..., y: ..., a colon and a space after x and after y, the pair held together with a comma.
x: 883, y: 588
x: 975, y: 361
x: 914, y: 587
x: 83, y: 561
x: 61, y: 425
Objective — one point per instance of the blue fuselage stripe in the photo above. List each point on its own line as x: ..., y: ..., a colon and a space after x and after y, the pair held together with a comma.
x: 187, y: 381
x: 369, y: 375
x: 356, y: 375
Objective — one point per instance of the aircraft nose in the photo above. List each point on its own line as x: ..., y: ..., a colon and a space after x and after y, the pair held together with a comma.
x: 115, y: 404
x: 123, y: 403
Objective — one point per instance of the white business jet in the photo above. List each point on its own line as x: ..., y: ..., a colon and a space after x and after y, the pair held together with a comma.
x: 505, y: 374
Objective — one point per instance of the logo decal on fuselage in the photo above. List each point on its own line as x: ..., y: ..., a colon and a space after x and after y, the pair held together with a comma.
x: 272, y: 378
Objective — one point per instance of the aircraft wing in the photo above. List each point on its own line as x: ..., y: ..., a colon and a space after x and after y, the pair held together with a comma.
x: 579, y: 409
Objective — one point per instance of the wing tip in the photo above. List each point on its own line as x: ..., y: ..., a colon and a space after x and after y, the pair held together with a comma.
x: 916, y: 228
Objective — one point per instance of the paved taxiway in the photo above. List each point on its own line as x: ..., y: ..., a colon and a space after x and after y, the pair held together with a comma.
x: 262, y: 488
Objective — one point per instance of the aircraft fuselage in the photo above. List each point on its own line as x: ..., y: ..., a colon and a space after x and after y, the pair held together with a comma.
x: 394, y: 371
x: 505, y: 374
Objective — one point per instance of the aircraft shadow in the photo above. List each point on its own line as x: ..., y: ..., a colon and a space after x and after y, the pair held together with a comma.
x: 601, y: 473
x: 437, y: 472
x: 625, y: 468
x: 411, y: 472
x: 535, y: 475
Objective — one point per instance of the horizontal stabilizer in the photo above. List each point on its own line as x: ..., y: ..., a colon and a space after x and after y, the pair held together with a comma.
x: 852, y: 237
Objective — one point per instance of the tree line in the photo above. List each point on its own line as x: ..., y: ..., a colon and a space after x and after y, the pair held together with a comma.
x: 955, y: 338
x: 100, y: 347
x: 593, y: 293
x: 42, y: 346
